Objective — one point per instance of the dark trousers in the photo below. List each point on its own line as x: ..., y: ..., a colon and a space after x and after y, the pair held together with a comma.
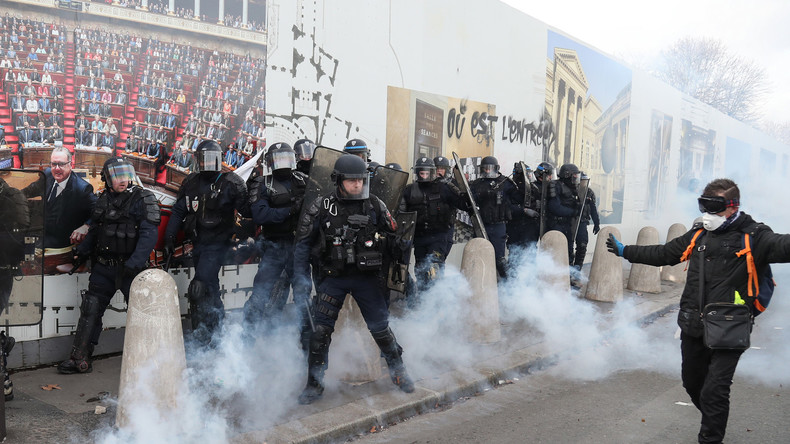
x: 208, y: 259
x: 103, y: 282
x: 366, y: 291
x: 430, y: 254
x: 707, y: 377
x: 270, y: 287
x: 497, y: 235
x: 582, y: 239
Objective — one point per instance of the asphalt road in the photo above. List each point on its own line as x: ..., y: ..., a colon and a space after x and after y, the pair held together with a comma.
x: 637, y: 401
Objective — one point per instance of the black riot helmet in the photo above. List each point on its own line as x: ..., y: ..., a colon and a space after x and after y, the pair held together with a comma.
x: 117, y: 169
x: 518, y: 173
x: 280, y: 156
x: 489, y: 167
x: 424, y: 170
x: 359, y: 148
x: 304, y: 149
x: 350, y: 167
x: 442, y: 166
x: 209, y: 156
x: 544, y: 170
x: 394, y: 166
x: 570, y: 174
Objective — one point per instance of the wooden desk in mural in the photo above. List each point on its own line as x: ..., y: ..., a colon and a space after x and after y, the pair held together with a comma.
x: 143, y: 166
x: 175, y: 176
x: 91, y: 158
x: 36, y: 156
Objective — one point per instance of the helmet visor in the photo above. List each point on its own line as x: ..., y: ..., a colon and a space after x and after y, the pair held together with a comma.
x: 424, y: 174
x: 283, y: 160
x: 576, y: 178
x: 209, y: 160
x: 122, y: 172
x: 304, y: 151
x: 489, y: 171
x: 353, y: 187
x: 715, y: 204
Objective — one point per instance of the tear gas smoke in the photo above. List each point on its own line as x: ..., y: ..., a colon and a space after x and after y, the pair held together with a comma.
x: 235, y: 388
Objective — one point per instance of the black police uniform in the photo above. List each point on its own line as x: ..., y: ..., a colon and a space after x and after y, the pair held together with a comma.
x: 205, y: 209
x: 582, y: 237
x: 348, y: 237
x: 563, y: 206
x: 435, y: 203
x: 493, y: 197
x: 275, y: 204
x: 123, y: 234
x: 524, y: 228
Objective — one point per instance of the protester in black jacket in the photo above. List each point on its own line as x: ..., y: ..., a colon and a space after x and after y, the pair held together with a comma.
x: 707, y: 374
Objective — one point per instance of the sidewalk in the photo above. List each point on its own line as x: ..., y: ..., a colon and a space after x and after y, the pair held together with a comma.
x: 38, y: 415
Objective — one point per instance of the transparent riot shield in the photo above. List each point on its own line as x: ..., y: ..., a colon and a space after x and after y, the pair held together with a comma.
x: 319, y: 182
x: 388, y: 185
x: 21, y: 247
x: 463, y: 184
x: 584, y: 185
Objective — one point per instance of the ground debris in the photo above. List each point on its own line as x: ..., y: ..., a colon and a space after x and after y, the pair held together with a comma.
x: 50, y: 387
x: 100, y: 410
x: 100, y: 397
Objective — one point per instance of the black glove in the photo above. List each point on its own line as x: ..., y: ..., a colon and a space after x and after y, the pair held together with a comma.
x: 614, y: 246
x: 80, y: 258
x: 170, y: 247
x: 596, y: 229
x: 131, y: 272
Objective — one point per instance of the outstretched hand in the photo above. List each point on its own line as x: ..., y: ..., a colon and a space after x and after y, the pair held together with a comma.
x: 614, y: 245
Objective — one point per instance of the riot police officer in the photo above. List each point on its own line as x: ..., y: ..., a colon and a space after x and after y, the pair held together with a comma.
x: 304, y: 149
x: 275, y: 202
x: 544, y: 174
x: 564, y: 204
x: 346, y: 228
x: 492, y: 192
x: 359, y: 148
x: 435, y: 202
x: 444, y: 171
x: 524, y: 228
x: 205, y: 209
x: 582, y: 237
x: 119, y: 242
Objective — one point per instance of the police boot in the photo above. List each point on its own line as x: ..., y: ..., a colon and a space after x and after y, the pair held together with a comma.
x: 6, y: 345
x: 501, y: 267
x: 385, y: 339
x: 317, y: 362
x: 82, y: 349
x: 581, y: 251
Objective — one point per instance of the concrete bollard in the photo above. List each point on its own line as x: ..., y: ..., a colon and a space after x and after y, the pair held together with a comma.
x: 478, y: 266
x: 645, y: 278
x: 354, y: 356
x: 677, y: 272
x: 153, y: 350
x: 606, y: 271
x: 558, y: 277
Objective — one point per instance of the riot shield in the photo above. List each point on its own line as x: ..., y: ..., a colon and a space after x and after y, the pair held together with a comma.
x: 463, y: 184
x: 319, y: 182
x: 527, y: 185
x: 21, y: 247
x: 544, y: 190
x: 584, y: 185
x: 388, y: 184
x: 398, y: 273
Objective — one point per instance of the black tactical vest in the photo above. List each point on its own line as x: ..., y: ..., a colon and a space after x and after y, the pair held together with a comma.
x: 490, y: 195
x: 433, y: 213
x: 348, y: 246
x: 117, y: 229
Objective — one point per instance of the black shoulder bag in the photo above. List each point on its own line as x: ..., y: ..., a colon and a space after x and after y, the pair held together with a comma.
x: 726, y: 326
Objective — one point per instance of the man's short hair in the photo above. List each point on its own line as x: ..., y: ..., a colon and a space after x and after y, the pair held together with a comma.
x: 726, y: 187
x: 60, y: 149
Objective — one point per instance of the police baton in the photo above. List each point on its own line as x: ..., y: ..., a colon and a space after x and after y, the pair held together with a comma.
x: 77, y: 264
